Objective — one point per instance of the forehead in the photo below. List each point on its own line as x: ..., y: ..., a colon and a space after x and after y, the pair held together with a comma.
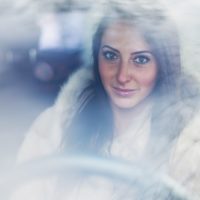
x: 120, y: 34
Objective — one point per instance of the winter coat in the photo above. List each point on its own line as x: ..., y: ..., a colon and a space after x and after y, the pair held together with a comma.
x: 45, y: 138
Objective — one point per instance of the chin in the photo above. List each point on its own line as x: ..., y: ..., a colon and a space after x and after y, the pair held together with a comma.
x: 126, y: 105
x: 129, y: 103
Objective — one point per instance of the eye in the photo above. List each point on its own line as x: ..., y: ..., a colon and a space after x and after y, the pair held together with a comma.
x: 109, y: 55
x: 141, y: 59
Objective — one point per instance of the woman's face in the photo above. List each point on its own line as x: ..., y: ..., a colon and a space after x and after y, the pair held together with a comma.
x: 127, y: 67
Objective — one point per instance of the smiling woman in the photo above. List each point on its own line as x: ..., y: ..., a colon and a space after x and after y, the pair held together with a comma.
x: 127, y: 67
x: 134, y: 103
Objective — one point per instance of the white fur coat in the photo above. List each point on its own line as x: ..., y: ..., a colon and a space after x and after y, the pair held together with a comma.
x: 45, y: 136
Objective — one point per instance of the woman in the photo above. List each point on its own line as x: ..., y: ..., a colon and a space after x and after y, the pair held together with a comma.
x: 135, y: 102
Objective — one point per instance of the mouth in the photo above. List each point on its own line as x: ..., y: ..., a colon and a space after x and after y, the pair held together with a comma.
x: 123, y: 92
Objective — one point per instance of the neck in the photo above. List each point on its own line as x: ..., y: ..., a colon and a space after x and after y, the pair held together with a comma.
x: 124, y: 118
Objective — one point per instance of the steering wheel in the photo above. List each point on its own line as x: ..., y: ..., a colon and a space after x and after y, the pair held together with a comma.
x: 154, y: 186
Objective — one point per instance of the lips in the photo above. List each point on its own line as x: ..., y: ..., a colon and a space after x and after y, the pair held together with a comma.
x: 122, y: 92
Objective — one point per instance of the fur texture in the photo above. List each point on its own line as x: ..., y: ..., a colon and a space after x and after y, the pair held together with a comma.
x: 45, y: 138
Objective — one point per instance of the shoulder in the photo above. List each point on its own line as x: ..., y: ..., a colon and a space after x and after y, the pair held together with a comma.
x: 185, y: 154
x: 185, y: 157
x: 189, y: 107
x: 39, y: 140
x: 45, y: 134
x: 190, y: 136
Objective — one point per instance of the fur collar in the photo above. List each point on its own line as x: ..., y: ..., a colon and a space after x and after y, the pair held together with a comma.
x: 67, y: 102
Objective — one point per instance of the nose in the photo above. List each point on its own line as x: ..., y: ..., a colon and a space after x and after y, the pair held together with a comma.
x: 123, y: 74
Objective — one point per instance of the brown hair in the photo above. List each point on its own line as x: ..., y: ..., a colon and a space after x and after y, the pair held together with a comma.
x: 160, y: 33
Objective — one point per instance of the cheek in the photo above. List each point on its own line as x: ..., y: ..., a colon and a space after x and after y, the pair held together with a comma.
x: 148, y: 79
x: 102, y: 70
x: 103, y: 73
x: 106, y: 72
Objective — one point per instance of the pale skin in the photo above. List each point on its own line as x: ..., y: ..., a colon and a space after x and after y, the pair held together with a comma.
x: 128, y: 71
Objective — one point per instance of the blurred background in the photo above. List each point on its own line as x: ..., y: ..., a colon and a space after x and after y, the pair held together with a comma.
x: 43, y: 42
x: 41, y: 45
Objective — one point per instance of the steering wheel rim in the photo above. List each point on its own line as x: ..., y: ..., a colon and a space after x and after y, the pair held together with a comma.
x: 107, y: 167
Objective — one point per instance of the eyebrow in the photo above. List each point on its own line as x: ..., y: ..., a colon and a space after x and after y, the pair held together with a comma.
x: 139, y: 52
x: 134, y: 53
x: 107, y: 46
